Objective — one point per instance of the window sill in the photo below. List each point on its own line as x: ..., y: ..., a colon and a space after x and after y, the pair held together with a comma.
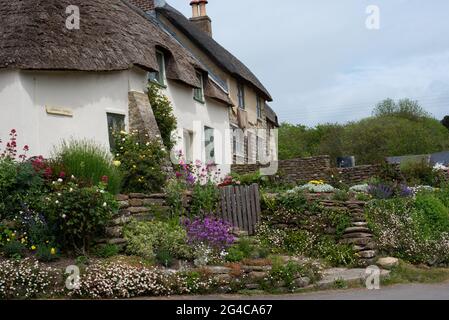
x: 202, y: 101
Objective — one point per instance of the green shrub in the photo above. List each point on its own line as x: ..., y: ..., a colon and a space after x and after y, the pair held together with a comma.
x: 163, y: 113
x: 106, y: 250
x: 419, y: 173
x: 147, y: 239
x: 287, y: 273
x: 299, y: 242
x: 46, y: 253
x: 175, y: 190
x: 204, y: 198
x: 88, y: 162
x: 341, y: 195
x: 14, y: 249
x: 334, y: 253
x: 434, y: 215
x: 407, y: 232
x: 77, y: 214
x: 141, y: 162
x: 164, y: 257
x: 243, y: 249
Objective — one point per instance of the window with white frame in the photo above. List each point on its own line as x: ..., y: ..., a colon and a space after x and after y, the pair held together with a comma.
x: 252, y: 147
x: 116, y: 123
x: 238, y: 145
x: 158, y: 76
x: 261, y: 146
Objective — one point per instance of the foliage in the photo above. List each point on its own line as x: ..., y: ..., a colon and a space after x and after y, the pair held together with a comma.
x: 334, y: 253
x: 46, y: 253
x: 415, y: 231
x: 316, y: 188
x: 249, y: 179
x: 445, y: 122
x: 175, y: 190
x: 88, y: 162
x: 141, y: 160
x: 148, y: 239
x: 341, y: 195
x: 25, y: 279
x: 287, y: 273
x: 396, y: 131
x: 106, y: 250
x: 212, y: 231
x: 404, y: 108
x: 204, y: 199
x: 245, y: 248
x: 77, y: 213
x: 14, y: 249
x: 419, y: 173
x: 163, y: 113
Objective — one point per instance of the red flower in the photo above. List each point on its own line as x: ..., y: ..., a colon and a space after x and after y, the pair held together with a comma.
x: 105, y: 179
x: 62, y: 174
x: 26, y: 148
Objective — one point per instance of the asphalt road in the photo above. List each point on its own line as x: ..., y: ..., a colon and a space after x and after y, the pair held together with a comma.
x: 398, y: 292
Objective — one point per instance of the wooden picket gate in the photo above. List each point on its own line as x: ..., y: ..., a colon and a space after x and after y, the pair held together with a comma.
x: 240, y: 206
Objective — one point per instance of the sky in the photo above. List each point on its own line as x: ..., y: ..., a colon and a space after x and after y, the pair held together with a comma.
x: 322, y: 64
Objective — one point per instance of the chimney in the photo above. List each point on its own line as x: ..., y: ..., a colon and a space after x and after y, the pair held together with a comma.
x: 145, y: 5
x: 200, y: 17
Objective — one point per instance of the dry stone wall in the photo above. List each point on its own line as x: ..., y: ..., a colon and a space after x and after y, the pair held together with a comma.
x: 303, y: 170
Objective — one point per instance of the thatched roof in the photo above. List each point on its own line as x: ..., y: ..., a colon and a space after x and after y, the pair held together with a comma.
x: 113, y: 35
x: 213, y: 49
x: 271, y: 115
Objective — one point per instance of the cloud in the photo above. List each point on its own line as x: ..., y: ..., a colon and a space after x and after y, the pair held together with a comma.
x: 321, y: 64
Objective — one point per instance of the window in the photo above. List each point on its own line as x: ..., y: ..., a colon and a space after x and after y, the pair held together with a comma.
x: 198, y: 93
x: 116, y: 122
x: 209, y: 144
x: 238, y: 145
x: 260, y: 148
x: 241, y: 95
x: 188, y: 146
x: 259, y: 104
x: 159, y: 77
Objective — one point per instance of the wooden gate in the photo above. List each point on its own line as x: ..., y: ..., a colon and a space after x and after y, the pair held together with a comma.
x: 240, y: 206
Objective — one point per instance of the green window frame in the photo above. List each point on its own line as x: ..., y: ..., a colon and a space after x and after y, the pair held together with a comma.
x: 158, y: 77
x: 116, y: 123
x: 198, y: 93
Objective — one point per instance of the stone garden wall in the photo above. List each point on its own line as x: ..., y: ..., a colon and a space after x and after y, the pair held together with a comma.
x: 303, y: 170
x: 135, y: 205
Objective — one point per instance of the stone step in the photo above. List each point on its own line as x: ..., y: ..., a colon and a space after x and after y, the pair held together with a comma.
x: 369, y: 254
x: 134, y: 210
x: 357, y: 230
x: 357, y: 235
x: 357, y: 241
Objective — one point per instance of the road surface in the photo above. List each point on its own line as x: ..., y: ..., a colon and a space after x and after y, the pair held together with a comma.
x: 397, y: 292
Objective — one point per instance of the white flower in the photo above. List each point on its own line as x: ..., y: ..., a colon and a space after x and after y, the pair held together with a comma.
x: 63, y: 216
x: 105, y: 204
x: 60, y: 180
x: 71, y: 189
x: 56, y: 201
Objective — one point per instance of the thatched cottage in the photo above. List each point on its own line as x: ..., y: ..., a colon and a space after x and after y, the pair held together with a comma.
x: 58, y: 82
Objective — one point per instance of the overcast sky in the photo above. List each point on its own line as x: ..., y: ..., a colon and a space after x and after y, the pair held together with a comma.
x: 322, y: 64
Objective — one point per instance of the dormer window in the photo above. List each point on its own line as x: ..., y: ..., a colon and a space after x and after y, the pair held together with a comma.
x: 198, y: 93
x: 241, y: 95
x: 159, y: 77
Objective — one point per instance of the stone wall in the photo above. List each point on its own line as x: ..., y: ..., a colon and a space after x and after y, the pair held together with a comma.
x: 303, y: 170
x: 133, y: 206
x: 294, y: 170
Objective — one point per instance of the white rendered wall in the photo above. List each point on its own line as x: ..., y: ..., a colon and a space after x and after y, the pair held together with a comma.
x: 24, y: 96
x: 193, y: 116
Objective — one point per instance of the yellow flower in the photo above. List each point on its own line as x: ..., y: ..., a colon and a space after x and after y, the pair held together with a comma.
x: 53, y: 251
x: 123, y: 132
x: 117, y: 163
x: 33, y: 247
x: 134, y: 167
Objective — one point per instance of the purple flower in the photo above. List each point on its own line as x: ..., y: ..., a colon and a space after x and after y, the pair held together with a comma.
x: 210, y: 230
